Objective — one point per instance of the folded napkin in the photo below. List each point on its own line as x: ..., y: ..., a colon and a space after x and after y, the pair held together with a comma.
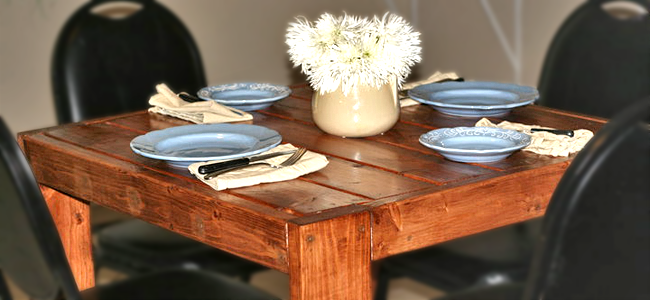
x: 310, y: 162
x: 168, y: 103
x: 437, y: 76
x: 546, y: 143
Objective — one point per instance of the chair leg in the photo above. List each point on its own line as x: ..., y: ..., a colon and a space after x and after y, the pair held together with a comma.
x: 4, y: 289
x: 381, y: 289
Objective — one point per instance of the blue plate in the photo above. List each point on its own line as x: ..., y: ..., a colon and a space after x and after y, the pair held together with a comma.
x: 474, y: 98
x: 184, y: 145
x: 245, y: 96
x: 475, y: 144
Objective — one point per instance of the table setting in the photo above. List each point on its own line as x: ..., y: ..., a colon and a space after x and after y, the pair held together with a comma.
x: 231, y: 152
x: 359, y: 91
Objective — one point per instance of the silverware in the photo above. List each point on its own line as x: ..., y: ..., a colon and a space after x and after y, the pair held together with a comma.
x: 209, y: 168
x: 555, y: 131
x: 191, y: 99
x: 294, y: 158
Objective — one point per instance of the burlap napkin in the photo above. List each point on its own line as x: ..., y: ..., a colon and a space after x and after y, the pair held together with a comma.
x: 168, y: 103
x: 546, y: 143
x: 310, y: 162
x: 437, y: 76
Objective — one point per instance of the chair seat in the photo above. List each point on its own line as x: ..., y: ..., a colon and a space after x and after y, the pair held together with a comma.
x: 136, y: 247
x: 177, y: 284
x: 451, y: 271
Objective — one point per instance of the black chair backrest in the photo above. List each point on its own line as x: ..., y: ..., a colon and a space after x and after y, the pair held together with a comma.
x: 597, y: 64
x: 103, y: 66
x: 31, y: 252
x: 595, y: 241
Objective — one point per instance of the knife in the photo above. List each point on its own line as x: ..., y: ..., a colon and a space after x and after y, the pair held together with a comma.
x: 209, y: 168
x: 568, y: 133
x: 191, y: 99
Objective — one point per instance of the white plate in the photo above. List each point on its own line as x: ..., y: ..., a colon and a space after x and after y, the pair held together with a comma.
x: 474, y: 98
x: 246, y: 96
x: 475, y: 144
x: 183, y: 145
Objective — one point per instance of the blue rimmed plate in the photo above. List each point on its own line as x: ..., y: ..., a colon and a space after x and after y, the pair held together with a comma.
x: 475, y: 144
x: 474, y: 98
x: 183, y: 145
x: 246, y: 96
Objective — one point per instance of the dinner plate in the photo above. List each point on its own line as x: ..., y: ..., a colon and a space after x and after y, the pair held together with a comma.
x: 474, y: 98
x: 246, y: 96
x: 475, y: 144
x: 183, y: 145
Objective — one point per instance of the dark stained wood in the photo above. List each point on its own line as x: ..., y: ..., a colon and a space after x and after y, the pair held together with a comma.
x: 247, y: 228
x: 404, y: 195
x: 73, y: 223
x: 462, y: 209
x: 426, y: 167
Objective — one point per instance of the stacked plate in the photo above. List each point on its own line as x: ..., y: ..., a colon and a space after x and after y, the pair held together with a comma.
x: 475, y: 144
x: 474, y: 98
x: 245, y: 96
x: 183, y: 145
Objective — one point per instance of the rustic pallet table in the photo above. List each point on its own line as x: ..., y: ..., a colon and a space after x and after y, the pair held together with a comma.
x: 379, y: 196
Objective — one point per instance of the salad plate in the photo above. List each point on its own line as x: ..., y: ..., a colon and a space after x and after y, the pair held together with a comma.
x: 245, y: 96
x: 183, y: 145
x: 475, y: 144
x: 474, y: 98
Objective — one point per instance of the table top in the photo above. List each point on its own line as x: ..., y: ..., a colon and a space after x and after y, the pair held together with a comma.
x: 414, y: 196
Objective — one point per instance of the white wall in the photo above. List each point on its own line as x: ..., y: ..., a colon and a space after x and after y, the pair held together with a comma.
x: 244, y: 40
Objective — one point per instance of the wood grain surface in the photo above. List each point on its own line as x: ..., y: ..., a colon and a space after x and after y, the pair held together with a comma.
x: 407, y: 196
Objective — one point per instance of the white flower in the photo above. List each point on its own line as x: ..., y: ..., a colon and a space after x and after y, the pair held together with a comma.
x: 347, y: 51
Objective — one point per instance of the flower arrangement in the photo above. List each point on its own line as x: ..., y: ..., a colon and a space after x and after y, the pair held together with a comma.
x: 348, y: 51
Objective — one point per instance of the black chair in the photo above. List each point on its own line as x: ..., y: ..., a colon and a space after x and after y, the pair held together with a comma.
x: 597, y: 64
x: 595, y: 240
x: 105, y: 66
x: 31, y: 252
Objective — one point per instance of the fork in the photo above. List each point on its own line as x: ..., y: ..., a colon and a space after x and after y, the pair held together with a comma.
x: 291, y: 160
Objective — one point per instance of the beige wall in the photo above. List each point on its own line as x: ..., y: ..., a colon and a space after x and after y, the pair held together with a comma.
x: 244, y: 40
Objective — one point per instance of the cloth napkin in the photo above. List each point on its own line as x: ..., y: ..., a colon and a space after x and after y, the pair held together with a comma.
x: 310, y: 162
x: 437, y: 76
x: 168, y: 103
x: 546, y: 143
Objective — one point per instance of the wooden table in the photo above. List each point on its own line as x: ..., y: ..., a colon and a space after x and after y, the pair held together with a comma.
x: 379, y: 196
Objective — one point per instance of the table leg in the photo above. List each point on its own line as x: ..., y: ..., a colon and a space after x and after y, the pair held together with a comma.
x: 72, y: 219
x: 330, y: 259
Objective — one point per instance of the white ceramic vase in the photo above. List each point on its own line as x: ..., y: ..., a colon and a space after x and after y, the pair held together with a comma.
x: 364, y: 111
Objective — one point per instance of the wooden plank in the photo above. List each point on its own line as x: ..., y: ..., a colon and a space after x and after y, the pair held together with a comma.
x: 330, y: 259
x: 72, y: 219
x: 363, y: 180
x: 462, y: 209
x: 299, y: 196
x: 292, y: 109
x: 173, y: 202
x: 416, y: 165
x: 302, y: 91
